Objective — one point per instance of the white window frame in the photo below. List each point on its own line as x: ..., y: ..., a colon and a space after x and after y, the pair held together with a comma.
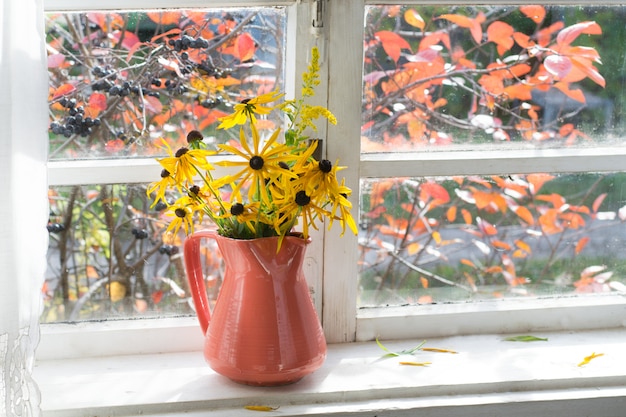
x: 335, y: 273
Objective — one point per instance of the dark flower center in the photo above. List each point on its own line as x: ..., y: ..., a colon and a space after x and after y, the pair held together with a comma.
x: 193, y: 136
x: 194, y: 191
x: 181, y: 152
x: 165, y: 173
x: 283, y: 165
x: 256, y: 162
x: 180, y: 213
x: 325, y: 165
x: 302, y: 199
x: 236, y: 209
x: 245, y: 101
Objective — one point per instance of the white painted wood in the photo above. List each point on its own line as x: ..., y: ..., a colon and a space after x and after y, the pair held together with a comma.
x: 78, y: 5
x: 492, y: 162
x: 520, y: 316
x: 345, y: 51
x: 488, y: 376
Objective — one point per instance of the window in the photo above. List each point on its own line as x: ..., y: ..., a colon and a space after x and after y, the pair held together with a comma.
x: 393, y: 166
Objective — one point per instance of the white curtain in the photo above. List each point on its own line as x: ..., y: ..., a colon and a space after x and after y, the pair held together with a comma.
x: 23, y: 200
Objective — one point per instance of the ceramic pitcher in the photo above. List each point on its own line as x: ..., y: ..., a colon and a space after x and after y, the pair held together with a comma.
x: 263, y: 329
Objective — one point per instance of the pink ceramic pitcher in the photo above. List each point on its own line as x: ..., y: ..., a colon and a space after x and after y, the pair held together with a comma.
x: 264, y: 329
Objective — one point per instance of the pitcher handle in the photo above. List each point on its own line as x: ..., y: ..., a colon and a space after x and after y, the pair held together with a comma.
x: 193, y: 266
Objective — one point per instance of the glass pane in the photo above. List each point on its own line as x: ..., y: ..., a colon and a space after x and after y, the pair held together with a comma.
x: 107, y: 257
x: 469, y: 77
x: 437, y: 240
x: 121, y: 81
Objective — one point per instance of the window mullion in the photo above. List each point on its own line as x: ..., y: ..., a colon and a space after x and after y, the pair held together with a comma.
x: 345, y: 57
x: 499, y: 162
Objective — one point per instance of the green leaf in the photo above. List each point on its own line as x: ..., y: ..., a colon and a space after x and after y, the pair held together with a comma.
x: 525, y: 338
x: 399, y: 353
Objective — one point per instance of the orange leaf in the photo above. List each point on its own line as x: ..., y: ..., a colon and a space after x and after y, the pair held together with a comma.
x: 525, y: 215
x: 451, y: 214
x: 414, y: 19
x: 523, y: 246
x: 63, y: 90
x: 501, y: 245
x: 392, y: 43
x: 535, y: 12
x: 468, y: 262
x: 91, y: 272
x: 570, y: 33
x: 589, y: 70
x: 486, y: 227
x: 467, y: 216
x: 598, y: 202
x: 581, y: 244
x: 537, y: 180
x: 424, y: 282
x: 466, y: 22
x: 413, y: 248
x: 164, y: 18
x: 501, y: 34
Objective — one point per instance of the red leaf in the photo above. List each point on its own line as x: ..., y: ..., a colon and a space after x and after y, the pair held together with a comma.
x: 157, y: 296
x: 434, y: 191
x: 557, y: 65
x: 56, y: 60
x: 130, y: 39
x: 581, y: 244
x: 98, y: 101
x: 114, y: 146
x: 244, y: 47
x: 392, y: 43
x: 570, y: 33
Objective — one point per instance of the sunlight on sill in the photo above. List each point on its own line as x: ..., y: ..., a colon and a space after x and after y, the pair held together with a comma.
x: 487, y: 373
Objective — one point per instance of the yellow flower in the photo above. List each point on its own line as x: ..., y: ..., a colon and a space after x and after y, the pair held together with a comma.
x: 247, y: 108
x: 182, y: 214
x: 339, y: 201
x: 186, y: 163
x: 260, y: 165
x: 294, y: 206
x: 160, y: 187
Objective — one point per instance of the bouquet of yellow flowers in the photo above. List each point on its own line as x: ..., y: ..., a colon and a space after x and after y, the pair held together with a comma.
x: 279, y: 182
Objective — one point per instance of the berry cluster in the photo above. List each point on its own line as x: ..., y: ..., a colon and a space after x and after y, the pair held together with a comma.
x: 168, y: 250
x: 188, y: 42
x: 139, y: 233
x: 55, y: 227
x: 107, y: 84
x: 75, y: 122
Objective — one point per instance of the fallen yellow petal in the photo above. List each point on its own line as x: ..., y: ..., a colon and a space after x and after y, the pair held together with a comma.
x: 260, y: 408
x: 415, y: 363
x: 588, y: 359
x: 427, y: 349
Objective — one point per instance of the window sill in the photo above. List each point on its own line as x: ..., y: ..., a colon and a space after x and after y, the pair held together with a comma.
x: 487, y: 375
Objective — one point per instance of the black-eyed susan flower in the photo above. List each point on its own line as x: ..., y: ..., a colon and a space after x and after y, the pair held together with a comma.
x: 182, y: 216
x: 160, y: 187
x: 186, y: 163
x: 275, y: 185
x: 261, y: 165
x: 247, y: 108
